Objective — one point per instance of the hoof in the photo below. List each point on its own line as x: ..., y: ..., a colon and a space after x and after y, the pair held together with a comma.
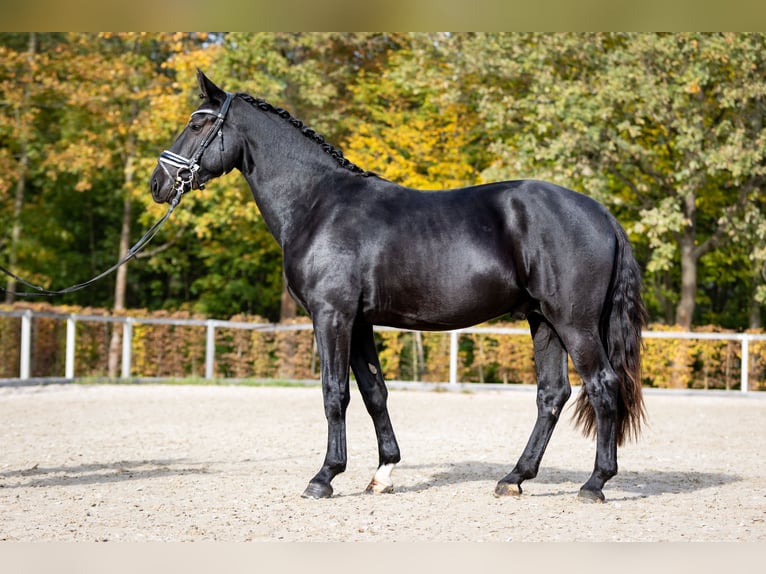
x: 507, y: 489
x: 315, y: 490
x: 381, y: 483
x: 376, y: 487
x: 591, y: 496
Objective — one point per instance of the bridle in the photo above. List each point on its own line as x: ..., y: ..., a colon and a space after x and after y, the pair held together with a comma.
x: 187, y: 169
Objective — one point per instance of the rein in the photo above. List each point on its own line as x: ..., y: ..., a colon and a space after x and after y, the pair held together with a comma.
x: 132, y: 252
x: 185, y: 179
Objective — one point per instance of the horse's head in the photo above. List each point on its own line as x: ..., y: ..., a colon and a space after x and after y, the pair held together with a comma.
x: 206, y: 148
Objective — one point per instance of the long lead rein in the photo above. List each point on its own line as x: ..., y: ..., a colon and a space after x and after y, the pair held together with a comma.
x: 132, y: 252
x: 185, y: 179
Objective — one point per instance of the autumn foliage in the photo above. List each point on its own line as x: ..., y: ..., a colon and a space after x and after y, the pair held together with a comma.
x: 665, y: 129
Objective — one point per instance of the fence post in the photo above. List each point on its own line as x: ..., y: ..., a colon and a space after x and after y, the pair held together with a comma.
x: 127, y: 347
x: 210, y: 350
x: 745, y: 368
x: 453, y: 350
x: 26, y: 344
x: 70, y: 347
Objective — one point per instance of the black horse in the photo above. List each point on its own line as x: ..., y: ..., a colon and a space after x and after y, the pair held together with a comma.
x: 362, y: 251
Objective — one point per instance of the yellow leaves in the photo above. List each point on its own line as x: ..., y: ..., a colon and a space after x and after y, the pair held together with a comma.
x: 423, y: 152
x: 690, y: 363
x: 84, y: 158
x: 186, y: 62
x: 411, y: 127
x: 8, y: 172
x: 693, y: 87
x: 224, y: 203
x: 392, y: 344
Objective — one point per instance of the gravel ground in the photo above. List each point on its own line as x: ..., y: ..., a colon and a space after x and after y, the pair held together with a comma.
x: 228, y: 463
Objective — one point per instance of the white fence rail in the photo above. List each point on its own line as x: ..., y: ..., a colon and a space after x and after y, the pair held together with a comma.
x: 211, y: 325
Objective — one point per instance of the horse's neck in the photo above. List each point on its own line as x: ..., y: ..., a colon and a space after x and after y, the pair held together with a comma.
x: 278, y: 215
x: 286, y: 172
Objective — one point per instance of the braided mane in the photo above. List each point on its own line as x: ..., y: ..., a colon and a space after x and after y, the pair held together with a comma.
x: 328, y: 148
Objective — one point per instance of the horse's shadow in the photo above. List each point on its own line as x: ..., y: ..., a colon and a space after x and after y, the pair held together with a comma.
x: 637, y: 484
x: 98, y: 473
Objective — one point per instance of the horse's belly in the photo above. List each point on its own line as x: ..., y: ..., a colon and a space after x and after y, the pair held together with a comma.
x: 452, y: 304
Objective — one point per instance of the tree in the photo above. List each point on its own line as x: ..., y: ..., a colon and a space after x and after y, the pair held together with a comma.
x: 409, y: 129
x: 116, y: 76
x: 667, y: 126
x: 310, y: 74
x: 666, y: 129
x: 23, y: 131
x: 20, y: 94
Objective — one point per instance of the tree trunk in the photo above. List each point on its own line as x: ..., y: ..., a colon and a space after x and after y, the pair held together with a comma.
x: 120, y: 288
x: 689, y: 257
x: 18, y: 204
x: 18, y: 201
x: 419, y: 356
x: 686, y: 303
x: 288, y: 309
x: 754, y: 316
x: 121, y: 281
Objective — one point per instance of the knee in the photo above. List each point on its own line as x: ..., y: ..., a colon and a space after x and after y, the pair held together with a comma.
x: 335, y: 411
x: 552, y: 401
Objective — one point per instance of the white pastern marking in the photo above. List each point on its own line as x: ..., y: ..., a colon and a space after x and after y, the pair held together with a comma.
x: 383, y: 475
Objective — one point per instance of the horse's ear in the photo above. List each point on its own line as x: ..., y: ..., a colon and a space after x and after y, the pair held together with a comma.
x: 208, y: 90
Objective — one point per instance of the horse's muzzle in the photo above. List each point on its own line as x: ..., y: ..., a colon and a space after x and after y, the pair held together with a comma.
x: 160, y: 186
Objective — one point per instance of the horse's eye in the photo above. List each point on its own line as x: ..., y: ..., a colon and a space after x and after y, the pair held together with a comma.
x: 195, y: 127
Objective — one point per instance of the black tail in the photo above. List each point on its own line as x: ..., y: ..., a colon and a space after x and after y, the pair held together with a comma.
x: 622, y: 321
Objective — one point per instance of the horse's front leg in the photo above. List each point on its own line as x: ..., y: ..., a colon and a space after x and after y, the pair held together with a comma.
x: 333, y: 335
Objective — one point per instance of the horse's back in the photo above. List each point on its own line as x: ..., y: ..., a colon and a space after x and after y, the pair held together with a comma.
x: 531, y: 222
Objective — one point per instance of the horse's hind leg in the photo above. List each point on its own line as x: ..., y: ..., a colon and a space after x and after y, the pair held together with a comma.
x: 601, y: 384
x: 553, y: 390
x: 369, y: 377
